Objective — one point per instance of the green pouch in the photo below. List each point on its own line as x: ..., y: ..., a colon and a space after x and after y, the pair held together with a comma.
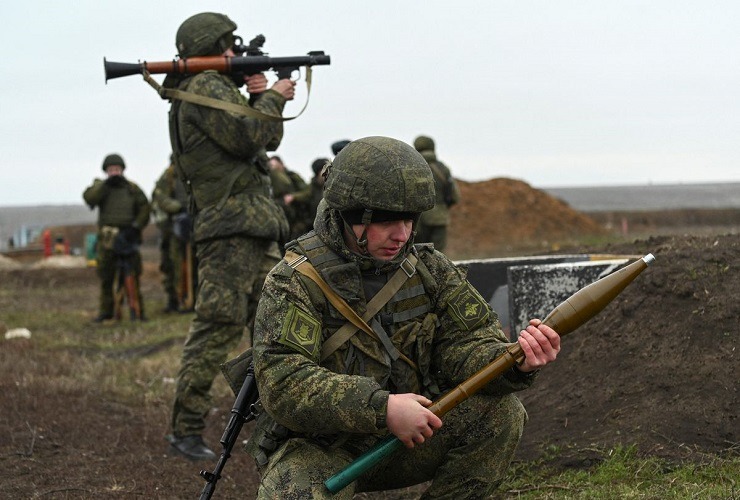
x: 235, y: 370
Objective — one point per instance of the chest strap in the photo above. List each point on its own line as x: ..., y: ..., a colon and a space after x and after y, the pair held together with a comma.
x: 407, y: 269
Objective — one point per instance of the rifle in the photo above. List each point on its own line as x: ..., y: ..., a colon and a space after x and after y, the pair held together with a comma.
x: 569, y: 315
x: 252, y: 61
x: 242, y: 412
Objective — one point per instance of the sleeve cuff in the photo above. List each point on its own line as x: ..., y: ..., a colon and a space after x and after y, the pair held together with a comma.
x: 379, y: 403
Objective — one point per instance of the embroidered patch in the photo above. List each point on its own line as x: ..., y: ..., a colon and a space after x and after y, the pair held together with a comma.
x: 301, y: 332
x: 467, y: 307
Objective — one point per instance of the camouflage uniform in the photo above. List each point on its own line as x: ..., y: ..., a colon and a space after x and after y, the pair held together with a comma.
x: 434, y: 222
x: 124, y: 206
x: 169, y: 205
x: 310, y: 196
x: 289, y: 182
x: 222, y: 158
x: 320, y: 414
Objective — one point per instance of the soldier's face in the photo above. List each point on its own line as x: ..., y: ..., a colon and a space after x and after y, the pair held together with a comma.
x: 384, y: 239
x: 113, y: 170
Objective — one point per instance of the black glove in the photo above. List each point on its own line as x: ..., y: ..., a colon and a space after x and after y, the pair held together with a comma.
x: 115, y: 181
x: 132, y: 234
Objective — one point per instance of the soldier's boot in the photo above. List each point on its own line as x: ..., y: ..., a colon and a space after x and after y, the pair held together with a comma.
x: 102, y: 317
x: 191, y: 447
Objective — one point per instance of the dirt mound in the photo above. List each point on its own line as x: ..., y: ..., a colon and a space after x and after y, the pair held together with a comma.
x: 658, y: 367
x: 500, y: 216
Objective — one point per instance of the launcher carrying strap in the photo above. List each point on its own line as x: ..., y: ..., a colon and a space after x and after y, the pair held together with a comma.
x: 209, y: 102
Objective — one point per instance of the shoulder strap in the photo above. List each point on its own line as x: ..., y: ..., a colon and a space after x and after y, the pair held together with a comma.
x: 301, y: 264
x: 201, y: 100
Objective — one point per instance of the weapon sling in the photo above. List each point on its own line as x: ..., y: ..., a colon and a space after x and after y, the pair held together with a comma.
x: 301, y: 264
x: 232, y: 107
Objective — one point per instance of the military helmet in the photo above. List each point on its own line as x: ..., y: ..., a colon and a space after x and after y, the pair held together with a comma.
x: 382, y: 175
x: 339, y: 145
x: 424, y: 143
x: 113, y: 159
x: 205, y: 34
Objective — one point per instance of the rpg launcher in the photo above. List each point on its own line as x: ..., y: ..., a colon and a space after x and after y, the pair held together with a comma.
x: 251, y: 60
x: 569, y: 315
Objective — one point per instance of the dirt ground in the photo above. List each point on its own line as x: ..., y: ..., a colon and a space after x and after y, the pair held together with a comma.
x: 658, y: 368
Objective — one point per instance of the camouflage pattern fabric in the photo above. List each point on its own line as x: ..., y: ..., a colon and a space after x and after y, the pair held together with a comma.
x: 289, y: 182
x: 231, y: 272
x: 222, y: 158
x: 169, y: 198
x: 437, y: 319
x: 433, y: 223
x: 467, y: 458
x: 310, y: 197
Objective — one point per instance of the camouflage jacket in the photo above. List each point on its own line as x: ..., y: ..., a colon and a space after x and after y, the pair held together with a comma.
x: 222, y: 159
x: 436, y: 319
x: 169, y: 197
x: 447, y: 193
x: 119, y: 205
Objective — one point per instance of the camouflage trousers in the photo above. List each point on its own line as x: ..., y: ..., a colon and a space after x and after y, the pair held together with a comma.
x: 231, y: 272
x: 467, y: 458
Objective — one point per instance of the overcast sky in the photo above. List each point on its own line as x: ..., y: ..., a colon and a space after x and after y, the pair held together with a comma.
x: 554, y: 93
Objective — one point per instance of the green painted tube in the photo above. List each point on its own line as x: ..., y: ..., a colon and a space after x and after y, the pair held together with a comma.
x: 569, y: 315
x: 366, y: 461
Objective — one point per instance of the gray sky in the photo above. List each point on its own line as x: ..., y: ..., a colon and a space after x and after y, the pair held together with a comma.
x: 555, y: 93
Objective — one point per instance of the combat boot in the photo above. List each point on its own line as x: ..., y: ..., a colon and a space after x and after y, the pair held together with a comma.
x: 102, y: 317
x: 191, y: 447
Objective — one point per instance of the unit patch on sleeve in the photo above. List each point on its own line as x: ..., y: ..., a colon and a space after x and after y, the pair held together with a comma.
x: 467, y: 307
x: 301, y: 332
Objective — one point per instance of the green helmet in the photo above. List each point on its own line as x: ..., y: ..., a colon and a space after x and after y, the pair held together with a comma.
x: 382, y: 175
x: 424, y: 143
x: 205, y: 34
x: 113, y: 159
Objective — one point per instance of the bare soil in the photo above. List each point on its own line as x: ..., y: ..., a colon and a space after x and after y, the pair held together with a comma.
x: 658, y: 368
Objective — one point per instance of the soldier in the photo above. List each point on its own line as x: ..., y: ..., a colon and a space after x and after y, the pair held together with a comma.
x: 434, y: 222
x: 222, y: 158
x: 285, y: 183
x: 337, y: 146
x: 123, y: 214
x: 331, y: 391
x: 169, y: 206
x: 311, y: 195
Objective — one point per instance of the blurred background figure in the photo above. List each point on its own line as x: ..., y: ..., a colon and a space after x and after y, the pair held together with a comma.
x: 311, y: 195
x: 434, y: 222
x: 123, y: 212
x: 177, y: 263
x: 285, y: 183
x: 339, y: 145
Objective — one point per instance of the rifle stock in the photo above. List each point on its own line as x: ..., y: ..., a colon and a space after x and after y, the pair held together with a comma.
x: 566, y: 317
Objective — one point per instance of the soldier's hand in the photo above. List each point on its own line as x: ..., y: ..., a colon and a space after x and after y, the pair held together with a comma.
x: 409, y: 419
x: 541, y: 345
x: 256, y: 84
x: 285, y: 87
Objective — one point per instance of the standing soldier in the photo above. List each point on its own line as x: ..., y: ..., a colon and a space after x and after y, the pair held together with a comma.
x: 433, y: 223
x: 285, y: 183
x: 330, y: 391
x: 221, y: 157
x: 123, y: 214
x: 169, y: 206
x: 311, y: 195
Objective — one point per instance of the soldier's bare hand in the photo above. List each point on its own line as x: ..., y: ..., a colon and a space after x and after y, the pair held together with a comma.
x: 285, y: 87
x: 256, y: 84
x: 409, y: 419
x: 541, y: 345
